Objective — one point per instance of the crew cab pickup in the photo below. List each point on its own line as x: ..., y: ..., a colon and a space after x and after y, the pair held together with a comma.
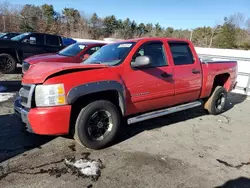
x: 124, y: 82
x: 74, y: 53
x: 16, y: 49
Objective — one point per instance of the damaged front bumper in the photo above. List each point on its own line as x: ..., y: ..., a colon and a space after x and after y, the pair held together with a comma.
x: 22, y: 114
x: 46, y: 120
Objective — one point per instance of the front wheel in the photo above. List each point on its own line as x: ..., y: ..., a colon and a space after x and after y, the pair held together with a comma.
x: 97, y: 124
x: 217, y: 101
x: 7, y: 63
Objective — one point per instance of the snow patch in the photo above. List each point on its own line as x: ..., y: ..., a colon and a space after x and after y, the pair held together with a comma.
x: 6, y: 96
x: 86, y: 167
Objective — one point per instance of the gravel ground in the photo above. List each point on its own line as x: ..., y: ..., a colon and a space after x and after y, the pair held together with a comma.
x: 186, y: 149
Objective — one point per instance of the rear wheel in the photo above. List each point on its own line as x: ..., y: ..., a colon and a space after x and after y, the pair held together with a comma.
x: 7, y: 63
x: 217, y: 101
x: 97, y: 124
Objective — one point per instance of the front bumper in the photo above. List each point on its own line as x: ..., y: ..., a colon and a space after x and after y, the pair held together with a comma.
x: 22, y: 114
x: 44, y: 121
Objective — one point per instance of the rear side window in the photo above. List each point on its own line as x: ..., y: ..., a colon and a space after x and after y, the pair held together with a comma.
x: 52, y: 40
x: 92, y: 50
x: 181, y: 53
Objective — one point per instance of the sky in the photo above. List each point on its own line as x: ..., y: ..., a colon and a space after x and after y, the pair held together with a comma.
x: 185, y: 14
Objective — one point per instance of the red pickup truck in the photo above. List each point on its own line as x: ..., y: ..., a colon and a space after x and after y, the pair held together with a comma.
x: 74, y: 53
x: 132, y: 80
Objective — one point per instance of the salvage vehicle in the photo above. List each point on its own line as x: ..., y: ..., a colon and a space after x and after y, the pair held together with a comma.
x: 16, y: 49
x: 74, y: 53
x: 122, y: 83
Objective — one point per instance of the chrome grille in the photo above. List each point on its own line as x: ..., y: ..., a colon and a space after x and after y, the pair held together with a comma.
x: 26, y: 93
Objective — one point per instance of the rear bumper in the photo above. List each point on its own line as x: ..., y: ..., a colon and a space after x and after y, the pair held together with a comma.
x: 233, y: 86
x: 45, y: 121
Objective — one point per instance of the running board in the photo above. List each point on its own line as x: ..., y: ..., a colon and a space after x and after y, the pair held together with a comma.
x: 158, y: 113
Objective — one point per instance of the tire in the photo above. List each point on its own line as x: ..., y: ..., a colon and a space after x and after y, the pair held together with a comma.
x: 219, y: 95
x: 7, y: 58
x: 82, y: 134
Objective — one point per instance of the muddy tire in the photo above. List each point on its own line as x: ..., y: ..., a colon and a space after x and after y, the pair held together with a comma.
x: 7, y: 64
x: 215, y: 104
x: 97, y: 124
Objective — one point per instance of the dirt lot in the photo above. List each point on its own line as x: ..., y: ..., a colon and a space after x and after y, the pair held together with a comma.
x: 187, y: 149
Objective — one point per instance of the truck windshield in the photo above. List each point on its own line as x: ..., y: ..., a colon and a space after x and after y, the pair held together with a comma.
x: 20, y: 37
x: 72, y: 50
x: 111, y: 54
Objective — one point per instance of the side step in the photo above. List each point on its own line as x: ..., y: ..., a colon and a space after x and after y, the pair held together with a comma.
x: 158, y: 113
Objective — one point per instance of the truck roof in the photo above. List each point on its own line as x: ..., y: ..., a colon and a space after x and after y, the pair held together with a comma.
x: 91, y: 43
x: 154, y: 38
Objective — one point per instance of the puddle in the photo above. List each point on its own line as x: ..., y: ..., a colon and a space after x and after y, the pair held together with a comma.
x: 83, y: 167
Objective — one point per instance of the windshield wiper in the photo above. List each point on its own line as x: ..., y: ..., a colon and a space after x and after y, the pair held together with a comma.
x: 96, y: 62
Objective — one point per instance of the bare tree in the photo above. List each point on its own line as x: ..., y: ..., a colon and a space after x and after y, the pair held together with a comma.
x: 238, y: 19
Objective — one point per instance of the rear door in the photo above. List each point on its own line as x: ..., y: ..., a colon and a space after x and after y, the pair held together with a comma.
x: 187, y: 72
x: 52, y: 43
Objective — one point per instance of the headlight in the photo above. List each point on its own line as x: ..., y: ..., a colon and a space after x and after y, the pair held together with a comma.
x: 50, y: 95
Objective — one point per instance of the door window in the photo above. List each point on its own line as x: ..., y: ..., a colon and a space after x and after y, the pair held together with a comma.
x: 155, y: 51
x: 92, y: 50
x: 35, y: 39
x: 52, y: 40
x: 182, y: 55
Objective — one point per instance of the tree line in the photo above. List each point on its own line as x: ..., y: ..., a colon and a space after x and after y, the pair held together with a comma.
x: 233, y: 33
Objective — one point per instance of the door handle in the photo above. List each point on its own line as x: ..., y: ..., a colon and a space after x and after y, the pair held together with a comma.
x: 166, y: 75
x: 195, y: 71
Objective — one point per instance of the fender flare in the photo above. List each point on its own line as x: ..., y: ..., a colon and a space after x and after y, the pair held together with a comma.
x: 95, y: 87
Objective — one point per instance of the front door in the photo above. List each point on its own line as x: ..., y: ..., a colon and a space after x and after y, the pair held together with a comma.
x: 150, y: 87
x: 30, y: 48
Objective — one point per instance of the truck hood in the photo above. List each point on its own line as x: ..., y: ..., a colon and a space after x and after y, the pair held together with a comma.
x: 40, y: 72
x: 52, y: 57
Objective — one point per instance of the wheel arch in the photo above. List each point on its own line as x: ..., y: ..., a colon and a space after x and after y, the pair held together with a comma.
x: 222, y: 80
x: 102, y: 89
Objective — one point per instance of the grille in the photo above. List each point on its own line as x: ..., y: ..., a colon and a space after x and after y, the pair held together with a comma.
x: 26, y: 94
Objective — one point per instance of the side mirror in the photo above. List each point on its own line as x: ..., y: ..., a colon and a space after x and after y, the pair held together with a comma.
x: 141, y: 61
x: 32, y: 40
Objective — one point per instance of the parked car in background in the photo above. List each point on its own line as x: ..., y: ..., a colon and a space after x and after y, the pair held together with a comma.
x: 74, y: 53
x: 8, y: 36
x: 68, y: 41
x: 127, y: 81
x: 18, y: 48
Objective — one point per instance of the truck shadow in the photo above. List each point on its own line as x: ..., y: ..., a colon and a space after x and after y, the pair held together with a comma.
x: 133, y: 130
x: 10, y: 86
x: 240, y: 182
x: 234, y: 99
x: 14, y: 140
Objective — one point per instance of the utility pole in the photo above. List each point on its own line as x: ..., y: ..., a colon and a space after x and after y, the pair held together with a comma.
x: 4, y: 25
x: 191, y: 35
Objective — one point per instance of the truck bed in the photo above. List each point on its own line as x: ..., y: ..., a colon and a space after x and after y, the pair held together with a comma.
x: 225, y: 69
